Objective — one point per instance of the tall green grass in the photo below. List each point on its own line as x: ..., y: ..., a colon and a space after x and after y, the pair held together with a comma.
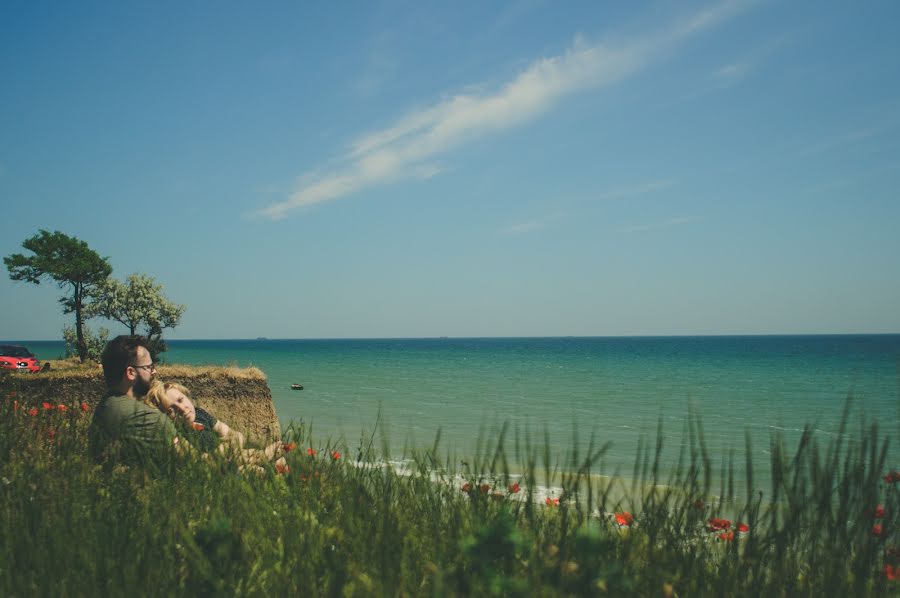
x: 351, y: 525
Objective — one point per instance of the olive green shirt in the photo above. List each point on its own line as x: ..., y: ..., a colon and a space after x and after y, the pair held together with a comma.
x: 128, y: 431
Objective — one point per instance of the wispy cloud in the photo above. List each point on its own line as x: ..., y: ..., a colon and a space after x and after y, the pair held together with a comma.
x: 522, y: 227
x: 406, y: 148
x: 851, y: 137
x: 640, y: 189
x: 677, y: 221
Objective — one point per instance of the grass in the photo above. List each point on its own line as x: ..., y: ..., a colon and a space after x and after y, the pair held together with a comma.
x: 340, y: 523
x: 72, y: 367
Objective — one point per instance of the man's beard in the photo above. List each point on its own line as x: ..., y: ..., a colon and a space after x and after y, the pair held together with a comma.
x: 140, y: 387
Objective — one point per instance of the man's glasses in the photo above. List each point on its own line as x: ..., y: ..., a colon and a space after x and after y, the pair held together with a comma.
x: 149, y: 368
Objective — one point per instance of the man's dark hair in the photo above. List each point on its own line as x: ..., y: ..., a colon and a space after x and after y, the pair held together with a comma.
x: 118, y: 354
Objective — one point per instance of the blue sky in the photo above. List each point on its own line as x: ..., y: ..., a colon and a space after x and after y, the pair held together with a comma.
x: 398, y: 169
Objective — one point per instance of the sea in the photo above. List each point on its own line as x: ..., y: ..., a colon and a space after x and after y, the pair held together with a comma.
x: 405, y: 393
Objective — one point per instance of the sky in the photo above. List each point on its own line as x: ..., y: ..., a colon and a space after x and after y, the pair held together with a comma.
x: 463, y: 169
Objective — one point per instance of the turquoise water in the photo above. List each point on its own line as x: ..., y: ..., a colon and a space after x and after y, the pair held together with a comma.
x: 618, y: 388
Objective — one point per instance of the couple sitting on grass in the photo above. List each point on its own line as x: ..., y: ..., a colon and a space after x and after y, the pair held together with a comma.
x: 142, y: 421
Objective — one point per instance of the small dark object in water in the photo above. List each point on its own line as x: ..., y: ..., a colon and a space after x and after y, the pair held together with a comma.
x: 297, y: 386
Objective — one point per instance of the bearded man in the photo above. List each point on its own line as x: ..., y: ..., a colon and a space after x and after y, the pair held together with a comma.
x: 124, y: 429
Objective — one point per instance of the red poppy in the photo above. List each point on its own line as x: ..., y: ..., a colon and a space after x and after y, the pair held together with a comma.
x: 877, y: 530
x: 879, y: 512
x: 335, y: 455
x: 717, y: 524
x: 467, y: 487
x: 892, y: 477
x: 283, y: 468
x: 727, y: 536
x: 624, y: 518
x: 197, y: 426
x: 743, y: 528
x: 311, y: 452
x: 514, y: 488
x: 892, y: 555
x: 85, y: 407
x: 551, y: 502
x: 289, y: 446
x: 485, y: 488
x: 62, y: 408
x: 33, y: 411
x: 47, y: 406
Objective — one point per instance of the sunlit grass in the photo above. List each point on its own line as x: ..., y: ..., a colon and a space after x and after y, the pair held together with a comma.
x: 344, y: 522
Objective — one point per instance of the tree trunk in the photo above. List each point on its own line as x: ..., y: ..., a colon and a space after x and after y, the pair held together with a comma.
x: 79, y: 326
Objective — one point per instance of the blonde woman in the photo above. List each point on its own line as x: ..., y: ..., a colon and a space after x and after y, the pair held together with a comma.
x: 205, y: 431
x: 175, y: 400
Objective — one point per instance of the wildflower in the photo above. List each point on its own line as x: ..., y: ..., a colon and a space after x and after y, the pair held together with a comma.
x: 727, y: 536
x: 879, y: 512
x: 197, y: 426
x: 282, y: 468
x: 892, y: 556
x: 717, y: 525
x: 514, y: 488
x: 551, y: 502
x: 485, y: 488
x: 33, y: 411
x: 62, y: 408
x: 85, y: 407
x: 891, y: 573
x: 877, y: 530
x: 743, y: 528
x: 47, y: 406
x: 892, y: 476
x: 467, y: 487
x: 289, y: 446
x: 335, y: 455
x: 624, y: 518
x: 311, y: 452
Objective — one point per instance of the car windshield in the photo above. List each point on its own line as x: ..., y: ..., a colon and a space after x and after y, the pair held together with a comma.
x: 12, y: 351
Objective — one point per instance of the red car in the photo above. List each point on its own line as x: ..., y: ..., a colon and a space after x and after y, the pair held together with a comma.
x: 16, y: 357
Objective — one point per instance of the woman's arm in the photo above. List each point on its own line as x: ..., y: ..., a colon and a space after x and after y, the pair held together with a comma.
x: 226, y: 434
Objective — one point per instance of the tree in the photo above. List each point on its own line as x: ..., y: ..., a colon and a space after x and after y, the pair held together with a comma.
x: 139, y: 304
x: 70, y: 263
x: 95, y: 342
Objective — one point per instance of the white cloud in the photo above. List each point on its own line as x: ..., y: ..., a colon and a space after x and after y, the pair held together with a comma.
x: 640, y: 189
x: 523, y: 227
x: 404, y: 149
x: 852, y: 137
x: 677, y: 221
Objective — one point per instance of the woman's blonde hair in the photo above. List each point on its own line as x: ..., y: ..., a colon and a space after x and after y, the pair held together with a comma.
x: 156, y: 396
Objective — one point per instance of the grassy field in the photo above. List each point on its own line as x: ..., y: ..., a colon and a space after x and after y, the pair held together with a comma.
x: 338, y: 523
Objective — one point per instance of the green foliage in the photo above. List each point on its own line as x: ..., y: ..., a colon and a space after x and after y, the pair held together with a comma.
x: 95, y: 342
x: 358, y: 527
x: 139, y: 304
x: 70, y: 263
